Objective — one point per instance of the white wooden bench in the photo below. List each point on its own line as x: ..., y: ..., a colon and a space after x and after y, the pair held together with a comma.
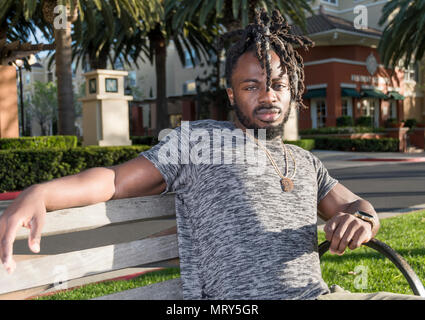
x: 116, y: 238
x: 139, y: 233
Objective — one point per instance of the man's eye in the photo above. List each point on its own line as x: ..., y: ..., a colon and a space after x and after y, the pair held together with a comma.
x: 250, y: 88
x: 279, y: 86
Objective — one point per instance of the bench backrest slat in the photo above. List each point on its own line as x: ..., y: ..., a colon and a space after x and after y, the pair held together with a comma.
x: 105, y: 213
x: 72, y: 265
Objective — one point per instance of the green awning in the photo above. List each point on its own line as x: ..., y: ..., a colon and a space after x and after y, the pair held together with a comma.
x: 315, y: 93
x: 349, y: 92
x: 374, y: 94
x: 395, y: 95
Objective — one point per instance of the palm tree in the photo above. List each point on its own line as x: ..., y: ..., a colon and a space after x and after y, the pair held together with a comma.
x: 125, y: 41
x: 28, y: 11
x: 189, y: 37
x: 232, y: 15
x: 237, y: 13
x: 404, y: 34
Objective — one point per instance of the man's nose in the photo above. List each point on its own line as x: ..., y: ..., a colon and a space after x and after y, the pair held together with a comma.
x: 267, y: 97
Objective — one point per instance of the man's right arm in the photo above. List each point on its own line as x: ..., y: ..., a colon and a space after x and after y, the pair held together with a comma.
x: 137, y: 177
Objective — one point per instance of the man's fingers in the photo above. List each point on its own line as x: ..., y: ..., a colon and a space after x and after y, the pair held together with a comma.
x: 36, y: 225
x: 337, y: 236
x: 329, y: 229
x: 6, y: 244
x: 361, y: 236
x: 347, y: 237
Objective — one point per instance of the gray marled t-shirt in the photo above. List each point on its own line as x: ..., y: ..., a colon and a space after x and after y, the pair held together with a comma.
x: 240, y: 236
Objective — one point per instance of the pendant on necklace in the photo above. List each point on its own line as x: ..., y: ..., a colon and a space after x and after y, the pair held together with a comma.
x: 286, y: 184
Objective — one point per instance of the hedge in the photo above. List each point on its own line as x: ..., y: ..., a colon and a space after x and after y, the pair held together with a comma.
x: 22, y: 168
x: 340, y: 130
x: 307, y: 144
x: 365, y: 145
x: 144, y: 140
x: 38, y: 142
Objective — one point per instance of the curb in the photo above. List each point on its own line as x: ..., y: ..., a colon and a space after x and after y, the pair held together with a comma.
x: 419, y: 159
x: 9, y: 195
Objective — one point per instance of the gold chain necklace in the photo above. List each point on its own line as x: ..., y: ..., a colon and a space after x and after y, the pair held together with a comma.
x: 285, y: 182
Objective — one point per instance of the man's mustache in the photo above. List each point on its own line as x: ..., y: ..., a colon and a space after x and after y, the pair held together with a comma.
x: 266, y: 108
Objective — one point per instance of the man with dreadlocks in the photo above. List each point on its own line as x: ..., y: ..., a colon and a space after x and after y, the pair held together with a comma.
x: 246, y: 230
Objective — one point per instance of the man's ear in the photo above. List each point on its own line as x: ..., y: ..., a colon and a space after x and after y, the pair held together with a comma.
x: 230, y: 95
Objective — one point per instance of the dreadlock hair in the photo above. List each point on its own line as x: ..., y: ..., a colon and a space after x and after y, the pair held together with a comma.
x: 270, y: 34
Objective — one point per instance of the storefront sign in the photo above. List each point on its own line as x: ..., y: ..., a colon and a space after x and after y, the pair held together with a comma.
x: 370, y: 79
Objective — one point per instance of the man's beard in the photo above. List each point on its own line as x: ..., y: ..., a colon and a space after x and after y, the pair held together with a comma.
x: 271, y: 131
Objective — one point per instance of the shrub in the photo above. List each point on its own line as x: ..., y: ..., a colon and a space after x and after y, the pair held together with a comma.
x: 144, y: 140
x: 339, y: 130
x: 364, y: 121
x: 344, y: 121
x: 21, y: 168
x: 307, y: 144
x: 365, y: 145
x: 38, y: 142
x: 411, y: 123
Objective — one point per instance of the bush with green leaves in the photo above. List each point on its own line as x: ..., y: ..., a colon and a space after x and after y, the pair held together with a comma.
x: 307, y: 144
x: 339, y: 130
x: 144, y: 140
x: 21, y: 168
x: 365, y: 145
x: 38, y: 142
x: 364, y: 121
x: 411, y: 123
x: 344, y: 121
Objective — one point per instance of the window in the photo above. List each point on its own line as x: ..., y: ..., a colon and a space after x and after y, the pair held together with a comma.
x: 318, y: 113
x: 189, y: 87
x: 346, y: 105
x: 321, y: 113
x: 175, y: 120
x: 393, y: 109
x: 50, y: 77
x: 411, y: 73
x: 371, y: 109
x: 334, y: 2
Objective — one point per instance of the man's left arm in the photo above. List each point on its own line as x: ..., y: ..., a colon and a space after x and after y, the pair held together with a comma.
x: 342, y: 227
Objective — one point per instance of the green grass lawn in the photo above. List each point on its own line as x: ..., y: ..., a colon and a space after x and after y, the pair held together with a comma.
x: 405, y: 234
x: 361, y: 270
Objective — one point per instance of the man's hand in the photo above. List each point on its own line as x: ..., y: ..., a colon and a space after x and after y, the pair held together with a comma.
x: 344, y: 230
x: 28, y: 211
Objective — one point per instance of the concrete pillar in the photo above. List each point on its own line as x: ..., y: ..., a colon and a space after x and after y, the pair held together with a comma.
x: 401, y: 135
x: 9, y: 120
x: 290, y: 131
x: 105, y: 109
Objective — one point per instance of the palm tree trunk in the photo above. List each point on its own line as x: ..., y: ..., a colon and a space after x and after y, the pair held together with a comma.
x: 157, y: 39
x: 63, y: 57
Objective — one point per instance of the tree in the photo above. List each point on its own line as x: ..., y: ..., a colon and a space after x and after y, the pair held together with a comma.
x: 404, y: 35
x: 26, y: 12
x: 237, y: 13
x: 43, y: 105
x: 190, y: 37
x: 231, y: 15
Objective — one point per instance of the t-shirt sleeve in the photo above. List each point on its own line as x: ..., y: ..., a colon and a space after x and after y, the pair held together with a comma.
x: 325, y: 182
x: 167, y: 157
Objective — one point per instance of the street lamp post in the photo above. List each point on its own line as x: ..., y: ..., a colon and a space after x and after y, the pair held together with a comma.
x: 19, y: 63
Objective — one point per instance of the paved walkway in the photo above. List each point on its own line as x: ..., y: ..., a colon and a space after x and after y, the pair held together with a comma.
x: 343, y: 159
